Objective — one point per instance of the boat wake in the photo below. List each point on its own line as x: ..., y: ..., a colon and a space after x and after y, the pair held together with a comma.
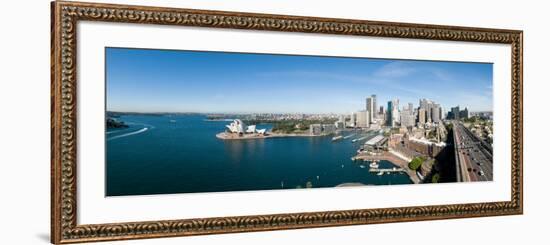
x: 128, y: 134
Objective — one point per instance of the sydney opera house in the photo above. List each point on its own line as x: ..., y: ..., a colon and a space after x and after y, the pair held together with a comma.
x: 238, y: 127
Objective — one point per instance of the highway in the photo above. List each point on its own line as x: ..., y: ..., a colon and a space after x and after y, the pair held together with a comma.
x: 474, y: 158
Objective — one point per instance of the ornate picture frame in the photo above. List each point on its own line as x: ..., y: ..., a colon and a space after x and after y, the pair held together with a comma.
x: 64, y: 106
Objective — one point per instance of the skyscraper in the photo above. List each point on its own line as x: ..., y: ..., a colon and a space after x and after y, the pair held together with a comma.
x: 436, y: 113
x: 464, y: 113
x: 389, y: 119
x: 370, y: 109
x: 421, y: 116
x: 455, y: 112
x: 374, y: 106
x: 393, y: 113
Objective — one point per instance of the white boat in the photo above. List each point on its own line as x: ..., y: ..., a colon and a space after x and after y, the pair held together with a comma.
x: 380, y: 173
x: 373, y: 164
x: 339, y: 137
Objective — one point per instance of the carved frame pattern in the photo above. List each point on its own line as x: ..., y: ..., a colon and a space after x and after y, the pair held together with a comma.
x: 65, y: 15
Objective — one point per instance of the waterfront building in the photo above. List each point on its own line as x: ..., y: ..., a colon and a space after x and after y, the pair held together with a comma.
x: 328, y: 128
x: 238, y: 127
x: 339, y: 125
x: 321, y: 129
x: 376, y: 142
x: 362, y: 119
x: 315, y: 129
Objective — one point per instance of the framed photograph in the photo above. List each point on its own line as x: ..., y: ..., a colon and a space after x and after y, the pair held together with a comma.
x: 175, y: 122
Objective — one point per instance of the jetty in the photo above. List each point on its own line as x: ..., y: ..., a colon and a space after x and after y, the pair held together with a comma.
x: 387, y: 170
x: 390, y: 157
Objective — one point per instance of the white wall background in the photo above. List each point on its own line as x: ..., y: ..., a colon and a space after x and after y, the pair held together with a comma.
x: 25, y: 135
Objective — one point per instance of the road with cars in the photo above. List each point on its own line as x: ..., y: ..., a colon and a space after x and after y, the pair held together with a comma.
x: 474, y: 158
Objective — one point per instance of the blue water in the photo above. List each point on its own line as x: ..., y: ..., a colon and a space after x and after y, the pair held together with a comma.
x: 156, y: 156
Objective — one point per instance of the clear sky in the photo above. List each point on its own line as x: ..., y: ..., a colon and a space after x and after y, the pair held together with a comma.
x: 141, y: 80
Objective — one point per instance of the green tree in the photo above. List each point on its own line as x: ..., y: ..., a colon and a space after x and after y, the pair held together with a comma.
x: 435, y: 178
x: 416, y: 163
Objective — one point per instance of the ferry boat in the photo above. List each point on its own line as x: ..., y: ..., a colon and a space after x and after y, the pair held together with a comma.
x: 336, y: 138
x: 355, y: 140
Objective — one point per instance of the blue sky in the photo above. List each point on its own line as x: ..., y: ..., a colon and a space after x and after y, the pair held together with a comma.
x: 141, y: 80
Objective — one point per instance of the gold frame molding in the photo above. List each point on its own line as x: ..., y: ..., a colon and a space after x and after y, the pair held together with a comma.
x: 66, y: 15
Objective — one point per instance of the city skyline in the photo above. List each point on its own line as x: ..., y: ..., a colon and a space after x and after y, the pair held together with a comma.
x: 143, y: 80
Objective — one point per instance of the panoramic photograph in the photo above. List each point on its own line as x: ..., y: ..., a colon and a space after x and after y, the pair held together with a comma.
x: 180, y: 121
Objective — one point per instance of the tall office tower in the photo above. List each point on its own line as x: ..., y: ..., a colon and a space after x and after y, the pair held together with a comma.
x: 455, y: 111
x: 389, y: 119
x: 370, y: 109
x: 464, y: 113
x: 436, y: 116
x: 423, y: 103
x: 411, y: 107
x: 421, y: 116
x: 427, y: 105
x: 393, y: 113
x: 375, y: 115
x: 381, y: 110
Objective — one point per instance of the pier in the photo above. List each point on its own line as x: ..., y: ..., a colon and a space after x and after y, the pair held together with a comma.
x: 387, y: 170
x: 395, y: 159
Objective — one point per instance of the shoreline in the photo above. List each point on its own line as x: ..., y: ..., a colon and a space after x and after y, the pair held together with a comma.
x: 230, y: 136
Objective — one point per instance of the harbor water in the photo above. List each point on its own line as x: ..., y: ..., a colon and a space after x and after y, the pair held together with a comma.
x: 164, y: 154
